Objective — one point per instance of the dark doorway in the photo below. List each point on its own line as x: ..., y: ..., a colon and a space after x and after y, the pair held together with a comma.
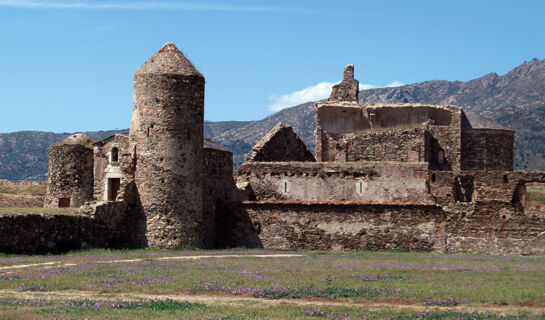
x: 464, y: 187
x: 64, y: 202
x: 113, y: 188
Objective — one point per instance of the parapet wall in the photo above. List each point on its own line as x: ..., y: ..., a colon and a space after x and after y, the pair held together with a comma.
x: 487, y: 149
x: 376, y: 182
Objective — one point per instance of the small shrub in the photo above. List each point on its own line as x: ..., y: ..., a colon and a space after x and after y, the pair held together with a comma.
x: 172, y: 305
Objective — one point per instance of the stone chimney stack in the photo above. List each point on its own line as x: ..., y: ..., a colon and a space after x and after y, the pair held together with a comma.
x: 346, y: 90
x: 349, y: 72
x: 166, y: 136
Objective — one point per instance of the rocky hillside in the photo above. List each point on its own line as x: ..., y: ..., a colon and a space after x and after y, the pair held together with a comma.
x: 23, y: 154
x: 515, y: 100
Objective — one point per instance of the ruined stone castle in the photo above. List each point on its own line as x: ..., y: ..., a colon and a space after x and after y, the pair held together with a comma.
x: 385, y: 176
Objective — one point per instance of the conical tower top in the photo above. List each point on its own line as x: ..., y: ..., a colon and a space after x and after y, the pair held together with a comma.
x: 168, y: 60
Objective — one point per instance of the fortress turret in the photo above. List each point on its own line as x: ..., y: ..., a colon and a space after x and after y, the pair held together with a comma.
x: 166, y: 136
x: 70, y: 173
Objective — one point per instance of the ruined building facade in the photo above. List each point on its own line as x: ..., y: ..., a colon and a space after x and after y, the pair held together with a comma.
x: 409, y: 176
x: 384, y: 176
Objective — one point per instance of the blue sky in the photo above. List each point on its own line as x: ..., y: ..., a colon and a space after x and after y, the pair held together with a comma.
x: 68, y: 66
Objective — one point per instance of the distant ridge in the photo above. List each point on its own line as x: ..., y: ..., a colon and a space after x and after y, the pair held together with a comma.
x: 515, y: 100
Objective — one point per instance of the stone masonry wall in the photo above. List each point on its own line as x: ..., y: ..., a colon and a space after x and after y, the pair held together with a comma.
x: 409, y: 145
x: 70, y: 175
x: 486, y: 211
x: 348, y: 89
x: 490, y: 149
x: 218, y: 188
x: 326, y: 182
x: 104, y: 168
x: 290, y: 226
x: 280, y: 144
x: 109, y: 227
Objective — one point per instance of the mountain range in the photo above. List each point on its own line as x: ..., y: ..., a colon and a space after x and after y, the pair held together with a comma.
x: 515, y: 101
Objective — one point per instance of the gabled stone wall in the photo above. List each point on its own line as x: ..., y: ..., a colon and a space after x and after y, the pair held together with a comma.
x: 280, y: 144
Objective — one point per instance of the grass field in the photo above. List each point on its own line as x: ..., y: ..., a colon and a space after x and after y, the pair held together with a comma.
x: 535, y: 193
x: 22, y: 194
x: 259, y: 284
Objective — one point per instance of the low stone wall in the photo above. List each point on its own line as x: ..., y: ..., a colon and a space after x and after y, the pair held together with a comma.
x: 290, y: 226
x: 108, y: 227
x: 494, y: 228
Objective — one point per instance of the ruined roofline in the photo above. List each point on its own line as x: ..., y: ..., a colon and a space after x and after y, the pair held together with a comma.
x: 169, y: 60
x: 96, y: 143
x: 389, y: 105
x: 211, y: 144
x: 342, y: 203
x: 482, y: 129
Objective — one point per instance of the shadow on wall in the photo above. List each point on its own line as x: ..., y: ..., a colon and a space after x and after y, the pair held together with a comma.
x: 235, y: 227
x: 134, y: 223
x: 438, y: 158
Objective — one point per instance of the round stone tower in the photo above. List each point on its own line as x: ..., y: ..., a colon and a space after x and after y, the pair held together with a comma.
x: 166, y: 136
x: 70, y: 173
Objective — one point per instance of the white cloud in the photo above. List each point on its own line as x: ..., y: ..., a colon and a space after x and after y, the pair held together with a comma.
x: 314, y: 93
x: 365, y: 86
x: 395, y: 84
x: 317, y: 92
x: 137, y: 5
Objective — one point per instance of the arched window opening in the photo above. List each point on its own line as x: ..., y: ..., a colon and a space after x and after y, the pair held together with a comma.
x: 441, y: 157
x: 114, y: 155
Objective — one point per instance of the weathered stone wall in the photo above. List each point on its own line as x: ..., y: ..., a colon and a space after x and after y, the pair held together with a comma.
x: 218, y: 187
x: 348, y: 89
x: 405, y: 145
x: 166, y: 133
x: 70, y: 175
x: 341, y: 117
x: 338, y: 122
x: 323, y: 182
x: 290, y: 226
x: 105, y: 167
x: 291, y: 203
x: 37, y: 233
x: 401, y: 115
x: 487, y: 149
x: 486, y: 211
x: 446, y: 141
